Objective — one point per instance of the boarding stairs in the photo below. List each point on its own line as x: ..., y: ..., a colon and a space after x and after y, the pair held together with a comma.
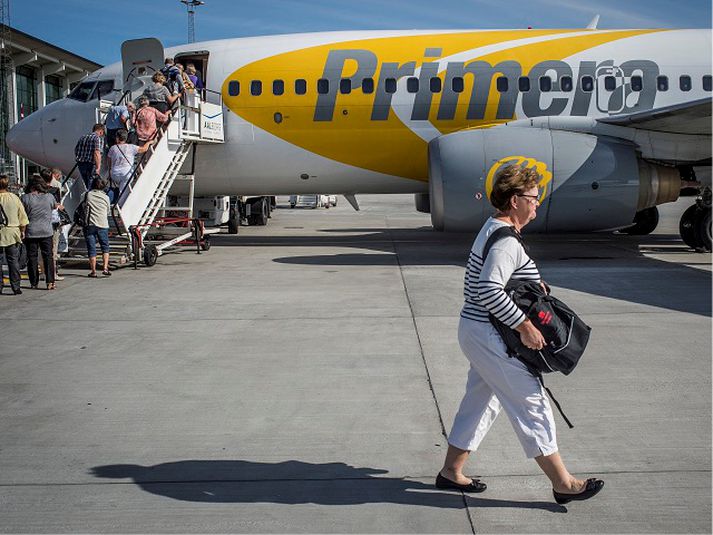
x: 139, y: 228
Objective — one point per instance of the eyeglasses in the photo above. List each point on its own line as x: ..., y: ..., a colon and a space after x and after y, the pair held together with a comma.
x: 534, y: 199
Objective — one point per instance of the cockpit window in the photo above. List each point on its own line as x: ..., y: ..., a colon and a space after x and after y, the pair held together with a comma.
x: 83, y: 91
x: 103, y: 88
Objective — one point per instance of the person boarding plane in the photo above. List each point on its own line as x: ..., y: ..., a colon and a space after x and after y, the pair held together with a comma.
x: 615, y: 121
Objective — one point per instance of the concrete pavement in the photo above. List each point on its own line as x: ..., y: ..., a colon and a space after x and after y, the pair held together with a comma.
x: 298, y: 377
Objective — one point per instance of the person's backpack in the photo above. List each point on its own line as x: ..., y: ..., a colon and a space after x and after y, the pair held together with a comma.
x: 3, y: 217
x: 82, y: 213
x: 566, y: 335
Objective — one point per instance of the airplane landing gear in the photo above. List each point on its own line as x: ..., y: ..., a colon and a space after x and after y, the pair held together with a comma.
x: 645, y: 222
x: 695, y: 225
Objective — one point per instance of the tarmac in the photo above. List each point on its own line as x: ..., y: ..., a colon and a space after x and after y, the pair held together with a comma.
x: 300, y: 377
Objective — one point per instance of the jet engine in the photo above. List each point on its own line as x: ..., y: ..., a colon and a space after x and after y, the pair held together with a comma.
x: 588, y: 182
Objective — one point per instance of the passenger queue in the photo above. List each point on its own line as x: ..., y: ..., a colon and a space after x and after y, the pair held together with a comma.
x: 31, y: 225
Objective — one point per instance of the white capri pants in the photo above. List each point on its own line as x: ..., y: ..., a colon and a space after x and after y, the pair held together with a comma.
x: 497, y: 381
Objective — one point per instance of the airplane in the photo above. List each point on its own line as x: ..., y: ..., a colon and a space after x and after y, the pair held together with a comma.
x: 615, y: 121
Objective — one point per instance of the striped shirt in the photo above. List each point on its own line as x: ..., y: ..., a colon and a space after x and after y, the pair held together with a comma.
x: 484, y: 284
x: 85, y: 147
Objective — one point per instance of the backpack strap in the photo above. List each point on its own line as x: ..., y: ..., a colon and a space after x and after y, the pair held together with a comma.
x: 500, y: 234
x: 554, y: 400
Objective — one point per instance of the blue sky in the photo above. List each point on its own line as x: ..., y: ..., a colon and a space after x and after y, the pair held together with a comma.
x: 95, y: 29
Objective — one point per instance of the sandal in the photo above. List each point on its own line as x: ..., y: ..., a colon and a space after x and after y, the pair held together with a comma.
x: 51, y: 286
x: 93, y: 275
x: 106, y: 273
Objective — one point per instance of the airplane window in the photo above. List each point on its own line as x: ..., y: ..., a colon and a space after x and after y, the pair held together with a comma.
x: 566, y: 83
x: 637, y: 83
x: 322, y: 86
x: 587, y: 83
x: 345, y: 86
x: 685, y: 82
x: 523, y: 84
x: 707, y: 82
x: 662, y: 83
x: 501, y: 84
x: 367, y: 85
x: 82, y: 91
x: 436, y: 85
x: 412, y: 85
x: 278, y: 87
x: 256, y: 88
x: 457, y: 84
x: 233, y: 88
x: 609, y: 83
x: 390, y: 85
x: 103, y: 88
x: 300, y: 86
x: 545, y: 84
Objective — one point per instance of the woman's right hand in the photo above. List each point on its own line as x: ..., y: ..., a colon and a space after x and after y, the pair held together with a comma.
x: 530, y: 335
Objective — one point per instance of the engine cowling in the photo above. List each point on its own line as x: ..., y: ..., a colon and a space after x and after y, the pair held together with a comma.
x: 589, y: 182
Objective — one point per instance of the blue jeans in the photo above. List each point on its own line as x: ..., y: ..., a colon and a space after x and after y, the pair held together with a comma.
x: 86, y: 169
x: 91, y: 235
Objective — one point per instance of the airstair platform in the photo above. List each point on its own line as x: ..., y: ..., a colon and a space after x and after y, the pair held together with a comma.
x: 142, y: 225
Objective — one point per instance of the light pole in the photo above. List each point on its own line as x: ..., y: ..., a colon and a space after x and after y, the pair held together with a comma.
x: 191, y: 5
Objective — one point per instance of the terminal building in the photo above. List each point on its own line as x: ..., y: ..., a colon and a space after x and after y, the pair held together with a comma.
x: 33, y: 73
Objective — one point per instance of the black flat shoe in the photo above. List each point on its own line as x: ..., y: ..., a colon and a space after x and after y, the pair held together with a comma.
x: 475, y: 486
x: 591, y: 489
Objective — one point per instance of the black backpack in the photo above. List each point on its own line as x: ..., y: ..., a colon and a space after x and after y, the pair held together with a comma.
x: 565, y: 334
x: 82, y: 212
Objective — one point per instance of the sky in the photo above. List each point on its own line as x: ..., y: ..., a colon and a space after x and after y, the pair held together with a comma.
x: 95, y: 29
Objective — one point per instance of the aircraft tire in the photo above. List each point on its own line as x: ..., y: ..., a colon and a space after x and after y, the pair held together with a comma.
x: 233, y: 221
x: 150, y: 255
x: 686, y: 227
x: 645, y: 222
x: 263, y: 213
x: 702, y: 227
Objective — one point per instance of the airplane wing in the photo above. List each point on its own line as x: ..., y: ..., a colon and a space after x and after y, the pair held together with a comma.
x: 688, y: 118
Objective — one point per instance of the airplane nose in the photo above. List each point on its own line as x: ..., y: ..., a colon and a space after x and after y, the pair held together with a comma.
x: 25, y: 138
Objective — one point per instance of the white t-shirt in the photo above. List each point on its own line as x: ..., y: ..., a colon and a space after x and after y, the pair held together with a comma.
x: 122, y: 159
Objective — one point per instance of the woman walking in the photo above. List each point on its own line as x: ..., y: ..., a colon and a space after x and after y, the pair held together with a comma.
x: 495, y: 380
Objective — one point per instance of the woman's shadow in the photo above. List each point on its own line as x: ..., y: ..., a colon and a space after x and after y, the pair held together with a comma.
x: 293, y: 482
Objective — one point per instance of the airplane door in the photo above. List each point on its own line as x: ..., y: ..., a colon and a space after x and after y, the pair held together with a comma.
x: 141, y: 58
x: 610, y: 89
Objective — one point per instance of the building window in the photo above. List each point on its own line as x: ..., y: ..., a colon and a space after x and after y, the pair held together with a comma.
x: 278, y: 87
x: 566, y: 84
x: 53, y: 88
x: 322, y: 86
x: 367, y: 85
x: 685, y: 82
x: 662, y: 83
x: 545, y: 84
x: 587, y: 83
x: 707, y: 82
x: 256, y: 88
x: 637, y: 83
x: 457, y: 84
x: 233, y: 88
x: 300, y: 86
x: 501, y: 84
x: 523, y: 84
x: 436, y: 85
x: 345, y: 86
x: 26, y: 90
